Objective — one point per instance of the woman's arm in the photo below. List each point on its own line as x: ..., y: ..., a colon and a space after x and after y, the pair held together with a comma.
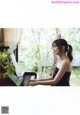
x: 50, y: 78
x: 57, y: 78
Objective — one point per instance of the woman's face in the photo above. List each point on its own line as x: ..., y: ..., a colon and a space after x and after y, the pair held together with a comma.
x: 55, y: 49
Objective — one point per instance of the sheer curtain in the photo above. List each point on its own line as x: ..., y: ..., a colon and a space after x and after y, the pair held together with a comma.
x: 12, y: 35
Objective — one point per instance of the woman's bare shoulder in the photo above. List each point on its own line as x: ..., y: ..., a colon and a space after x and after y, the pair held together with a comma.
x: 66, y: 63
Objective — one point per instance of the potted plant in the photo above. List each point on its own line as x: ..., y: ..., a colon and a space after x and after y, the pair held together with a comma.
x: 7, y: 68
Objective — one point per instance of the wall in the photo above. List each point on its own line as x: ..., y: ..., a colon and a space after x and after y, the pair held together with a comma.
x: 1, y: 35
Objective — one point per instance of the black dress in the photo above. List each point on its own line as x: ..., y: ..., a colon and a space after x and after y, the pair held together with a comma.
x: 64, y: 80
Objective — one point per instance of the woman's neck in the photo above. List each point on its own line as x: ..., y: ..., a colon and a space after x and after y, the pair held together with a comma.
x: 63, y: 56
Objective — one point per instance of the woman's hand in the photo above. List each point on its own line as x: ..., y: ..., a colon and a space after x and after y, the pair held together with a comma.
x: 33, y: 83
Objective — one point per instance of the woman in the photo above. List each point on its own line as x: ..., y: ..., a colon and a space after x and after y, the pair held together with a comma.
x: 62, y: 71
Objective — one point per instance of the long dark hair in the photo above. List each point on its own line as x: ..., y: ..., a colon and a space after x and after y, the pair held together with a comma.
x: 68, y: 48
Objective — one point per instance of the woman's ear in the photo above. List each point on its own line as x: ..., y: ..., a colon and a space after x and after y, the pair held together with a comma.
x: 63, y: 47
